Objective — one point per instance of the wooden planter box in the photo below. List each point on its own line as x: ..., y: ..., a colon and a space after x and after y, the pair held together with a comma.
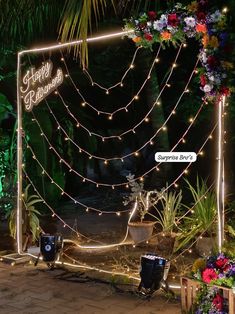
x: 189, y: 289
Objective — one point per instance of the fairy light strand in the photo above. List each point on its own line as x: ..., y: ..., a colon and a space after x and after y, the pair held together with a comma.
x: 145, y: 118
x: 94, y: 83
x: 123, y: 183
x: 123, y: 108
x: 106, y: 159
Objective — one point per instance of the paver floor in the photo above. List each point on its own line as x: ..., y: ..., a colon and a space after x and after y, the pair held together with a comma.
x: 26, y: 289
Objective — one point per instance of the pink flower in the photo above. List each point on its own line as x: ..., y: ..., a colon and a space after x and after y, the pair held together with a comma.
x: 152, y: 15
x: 209, y: 274
x: 173, y: 20
x: 148, y: 36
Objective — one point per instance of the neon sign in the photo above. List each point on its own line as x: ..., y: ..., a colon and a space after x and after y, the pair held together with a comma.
x: 38, y: 84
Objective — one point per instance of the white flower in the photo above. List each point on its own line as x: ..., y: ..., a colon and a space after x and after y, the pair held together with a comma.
x: 207, y: 88
x: 211, y: 78
x: 149, y: 24
x: 163, y: 19
x: 215, y: 17
x: 190, y: 21
x: 203, y: 57
x: 158, y: 25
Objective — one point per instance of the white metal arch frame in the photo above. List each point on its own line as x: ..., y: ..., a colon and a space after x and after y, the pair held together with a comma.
x: 220, y: 141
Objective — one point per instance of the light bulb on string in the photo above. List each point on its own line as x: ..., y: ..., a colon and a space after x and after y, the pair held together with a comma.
x: 132, y: 66
x: 136, y: 97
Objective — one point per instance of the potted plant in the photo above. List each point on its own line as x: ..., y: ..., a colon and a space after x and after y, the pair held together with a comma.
x: 140, y: 230
x: 30, y: 220
x: 199, y: 226
x: 165, y: 215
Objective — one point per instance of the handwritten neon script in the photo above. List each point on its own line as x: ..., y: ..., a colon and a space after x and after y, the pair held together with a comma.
x: 37, y: 84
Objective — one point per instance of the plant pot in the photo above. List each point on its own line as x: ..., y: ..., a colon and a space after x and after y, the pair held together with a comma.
x: 205, y: 245
x: 165, y: 242
x: 141, y: 231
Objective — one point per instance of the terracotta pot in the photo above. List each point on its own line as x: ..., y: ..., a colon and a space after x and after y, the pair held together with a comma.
x: 141, y: 231
x: 165, y: 243
x: 205, y: 245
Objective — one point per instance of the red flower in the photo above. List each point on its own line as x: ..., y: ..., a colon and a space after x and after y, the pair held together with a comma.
x: 218, y: 302
x: 212, y: 62
x: 221, y: 262
x: 203, y: 80
x: 201, y: 16
x: 152, y: 15
x: 142, y: 26
x: 209, y: 274
x: 173, y: 19
x: 225, y: 91
x: 148, y: 36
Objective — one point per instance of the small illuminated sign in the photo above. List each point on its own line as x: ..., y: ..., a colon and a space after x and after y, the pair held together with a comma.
x: 38, y: 84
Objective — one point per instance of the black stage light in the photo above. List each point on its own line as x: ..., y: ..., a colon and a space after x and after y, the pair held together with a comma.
x: 151, y: 273
x: 50, y: 248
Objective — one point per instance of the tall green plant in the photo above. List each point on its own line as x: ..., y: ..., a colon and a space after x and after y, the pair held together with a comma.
x: 171, y: 204
x: 31, y: 223
x: 203, y: 213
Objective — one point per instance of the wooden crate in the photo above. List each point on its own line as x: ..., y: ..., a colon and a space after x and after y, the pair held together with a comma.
x: 189, y: 289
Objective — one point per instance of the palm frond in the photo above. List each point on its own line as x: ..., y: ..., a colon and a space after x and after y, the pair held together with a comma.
x: 76, y: 22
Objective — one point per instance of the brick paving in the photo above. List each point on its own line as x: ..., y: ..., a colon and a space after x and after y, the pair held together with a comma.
x: 26, y: 289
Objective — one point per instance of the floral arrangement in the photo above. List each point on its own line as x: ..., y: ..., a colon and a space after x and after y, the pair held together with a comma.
x: 183, y: 22
x: 218, y: 270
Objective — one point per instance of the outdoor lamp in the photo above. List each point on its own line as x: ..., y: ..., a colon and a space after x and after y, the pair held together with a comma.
x: 151, y: 273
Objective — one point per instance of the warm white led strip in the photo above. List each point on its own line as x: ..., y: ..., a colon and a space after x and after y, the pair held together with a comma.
x: 220, y: 172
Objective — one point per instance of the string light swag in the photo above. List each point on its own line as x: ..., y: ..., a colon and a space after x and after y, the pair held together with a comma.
x: 118, y: 84
x: 191, y: 21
